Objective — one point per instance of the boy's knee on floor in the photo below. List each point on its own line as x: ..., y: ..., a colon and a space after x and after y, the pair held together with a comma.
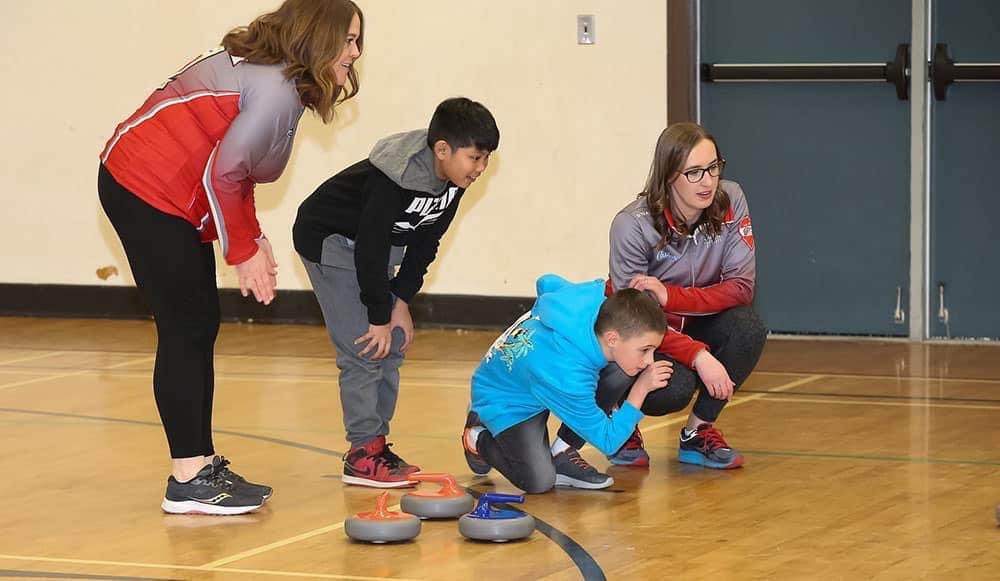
x: 538, y: 481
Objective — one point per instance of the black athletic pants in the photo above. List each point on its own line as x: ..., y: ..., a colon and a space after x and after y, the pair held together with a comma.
x: 175, y: 272
x: 735, y: 337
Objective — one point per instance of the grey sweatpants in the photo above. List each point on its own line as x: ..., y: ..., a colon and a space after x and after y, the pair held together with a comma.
x: 368, y: 388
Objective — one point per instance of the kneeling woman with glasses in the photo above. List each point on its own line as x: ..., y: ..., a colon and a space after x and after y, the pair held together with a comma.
x: 687, y: 239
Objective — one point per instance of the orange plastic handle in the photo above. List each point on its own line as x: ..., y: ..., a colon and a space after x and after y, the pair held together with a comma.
x: 382, y: 511
x: 449, y: 488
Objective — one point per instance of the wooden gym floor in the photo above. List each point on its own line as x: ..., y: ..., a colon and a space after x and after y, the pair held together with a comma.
x: 865, y: 459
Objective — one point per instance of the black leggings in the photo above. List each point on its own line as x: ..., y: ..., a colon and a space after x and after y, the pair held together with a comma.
x: 522, y: 454
x: 175, y: 272
x: 735, y: 337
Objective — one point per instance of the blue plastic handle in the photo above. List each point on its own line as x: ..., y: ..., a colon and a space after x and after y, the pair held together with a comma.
x: 484, y: 510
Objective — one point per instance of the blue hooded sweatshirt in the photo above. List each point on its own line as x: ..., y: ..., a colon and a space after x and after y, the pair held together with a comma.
x: 550, y: 359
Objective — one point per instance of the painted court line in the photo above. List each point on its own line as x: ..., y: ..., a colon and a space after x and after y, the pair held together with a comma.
x: 72, y: 373
x: 889, y: 377
x: 32, y: 358
x: 291, y: 540
x: 909, y: 404
x: 451, y: 383
x: 738, y: 401
x: 198, y: 568
x: 214, y: 565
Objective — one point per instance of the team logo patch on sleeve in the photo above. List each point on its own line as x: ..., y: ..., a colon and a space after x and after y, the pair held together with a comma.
x: 746, y: 231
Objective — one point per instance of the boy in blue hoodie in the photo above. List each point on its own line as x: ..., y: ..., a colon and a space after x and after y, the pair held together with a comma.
x: 549, y: 360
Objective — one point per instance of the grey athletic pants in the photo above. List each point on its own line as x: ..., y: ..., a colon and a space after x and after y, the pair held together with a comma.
x: 522, y: 454
x: 368, y: 388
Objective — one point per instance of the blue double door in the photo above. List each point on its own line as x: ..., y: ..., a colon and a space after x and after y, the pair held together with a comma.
x: 812, y: 103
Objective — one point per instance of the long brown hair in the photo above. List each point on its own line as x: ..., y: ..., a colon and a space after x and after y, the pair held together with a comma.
x: 307, y: 36
x: 672, y: 150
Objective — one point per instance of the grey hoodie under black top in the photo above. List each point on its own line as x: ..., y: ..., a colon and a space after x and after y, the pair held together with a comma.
x: 393, y: 198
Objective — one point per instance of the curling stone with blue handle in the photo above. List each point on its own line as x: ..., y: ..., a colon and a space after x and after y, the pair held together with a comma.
x: 486, y: 523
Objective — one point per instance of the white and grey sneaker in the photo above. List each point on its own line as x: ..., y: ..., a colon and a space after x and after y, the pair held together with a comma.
x: 572, y: 470
x: 209, y: 492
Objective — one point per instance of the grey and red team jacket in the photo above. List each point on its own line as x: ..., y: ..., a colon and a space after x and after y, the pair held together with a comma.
x: 198, y: 145
x: 703, y: 274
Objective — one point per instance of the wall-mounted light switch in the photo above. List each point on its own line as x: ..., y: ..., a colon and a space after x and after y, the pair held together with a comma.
x: 585, y: 29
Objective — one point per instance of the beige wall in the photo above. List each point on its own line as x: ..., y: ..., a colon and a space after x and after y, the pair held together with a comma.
x: 577, y: 125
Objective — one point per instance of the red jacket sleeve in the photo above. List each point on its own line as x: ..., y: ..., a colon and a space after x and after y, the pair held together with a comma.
x: 709, y: 299
x: 258, y: 131
x: 681, y: 347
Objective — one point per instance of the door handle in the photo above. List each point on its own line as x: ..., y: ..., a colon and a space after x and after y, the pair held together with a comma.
x: 896, y: 72
x: 944, y: 71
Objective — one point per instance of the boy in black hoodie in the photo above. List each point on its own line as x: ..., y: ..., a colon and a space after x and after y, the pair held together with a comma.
x: 366, y: 237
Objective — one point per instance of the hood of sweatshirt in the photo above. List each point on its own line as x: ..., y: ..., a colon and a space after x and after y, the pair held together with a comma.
x: 408, y: 161
x: 570, y: 310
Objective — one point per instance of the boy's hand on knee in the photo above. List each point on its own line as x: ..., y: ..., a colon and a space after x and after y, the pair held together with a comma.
x: 379, y: 339
x: 401, y: 318
x: 714, y: 375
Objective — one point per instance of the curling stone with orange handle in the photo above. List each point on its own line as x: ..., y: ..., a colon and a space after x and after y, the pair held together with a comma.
x: 382, y: 525
x: 450, y: 501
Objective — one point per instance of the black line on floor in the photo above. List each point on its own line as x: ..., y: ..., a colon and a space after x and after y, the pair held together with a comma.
x: 588, y: 567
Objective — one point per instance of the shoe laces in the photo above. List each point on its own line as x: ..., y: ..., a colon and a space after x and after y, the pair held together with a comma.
x: 575, y: 457
x: 712, y: 438
x: 390, y: 457
x: 218, y: 479
x: 222, y: 468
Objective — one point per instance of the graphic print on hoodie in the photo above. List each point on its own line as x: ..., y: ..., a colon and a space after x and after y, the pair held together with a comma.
x: 392, y: 198
x: 550, y: 359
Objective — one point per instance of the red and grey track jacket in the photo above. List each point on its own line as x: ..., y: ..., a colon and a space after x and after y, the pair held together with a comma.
x: 199, y: 144
x: 703, y: 275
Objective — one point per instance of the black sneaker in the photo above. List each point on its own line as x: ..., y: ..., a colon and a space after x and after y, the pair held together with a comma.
x: 472, y: 457
x: 209, y: 492
x: 241, y: 484
x: 572, y: 470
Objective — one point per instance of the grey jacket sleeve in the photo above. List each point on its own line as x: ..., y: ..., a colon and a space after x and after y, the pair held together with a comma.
x: 629, y: 251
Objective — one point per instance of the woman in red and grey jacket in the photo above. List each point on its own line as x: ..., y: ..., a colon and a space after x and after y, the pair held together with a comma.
x: 688, y: 240
x: 180, y: 172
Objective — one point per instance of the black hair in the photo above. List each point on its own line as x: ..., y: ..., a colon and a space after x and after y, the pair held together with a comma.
x: 630, y: 312
x: 462, y: 122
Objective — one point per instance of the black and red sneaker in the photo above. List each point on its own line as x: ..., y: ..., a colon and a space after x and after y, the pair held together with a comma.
x: 632, y: 452
x: 404, y: 466
x: 368, y: 465
x: 706, y: 446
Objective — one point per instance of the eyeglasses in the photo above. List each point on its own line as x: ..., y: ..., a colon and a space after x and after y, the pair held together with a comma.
x: 696, y: 175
